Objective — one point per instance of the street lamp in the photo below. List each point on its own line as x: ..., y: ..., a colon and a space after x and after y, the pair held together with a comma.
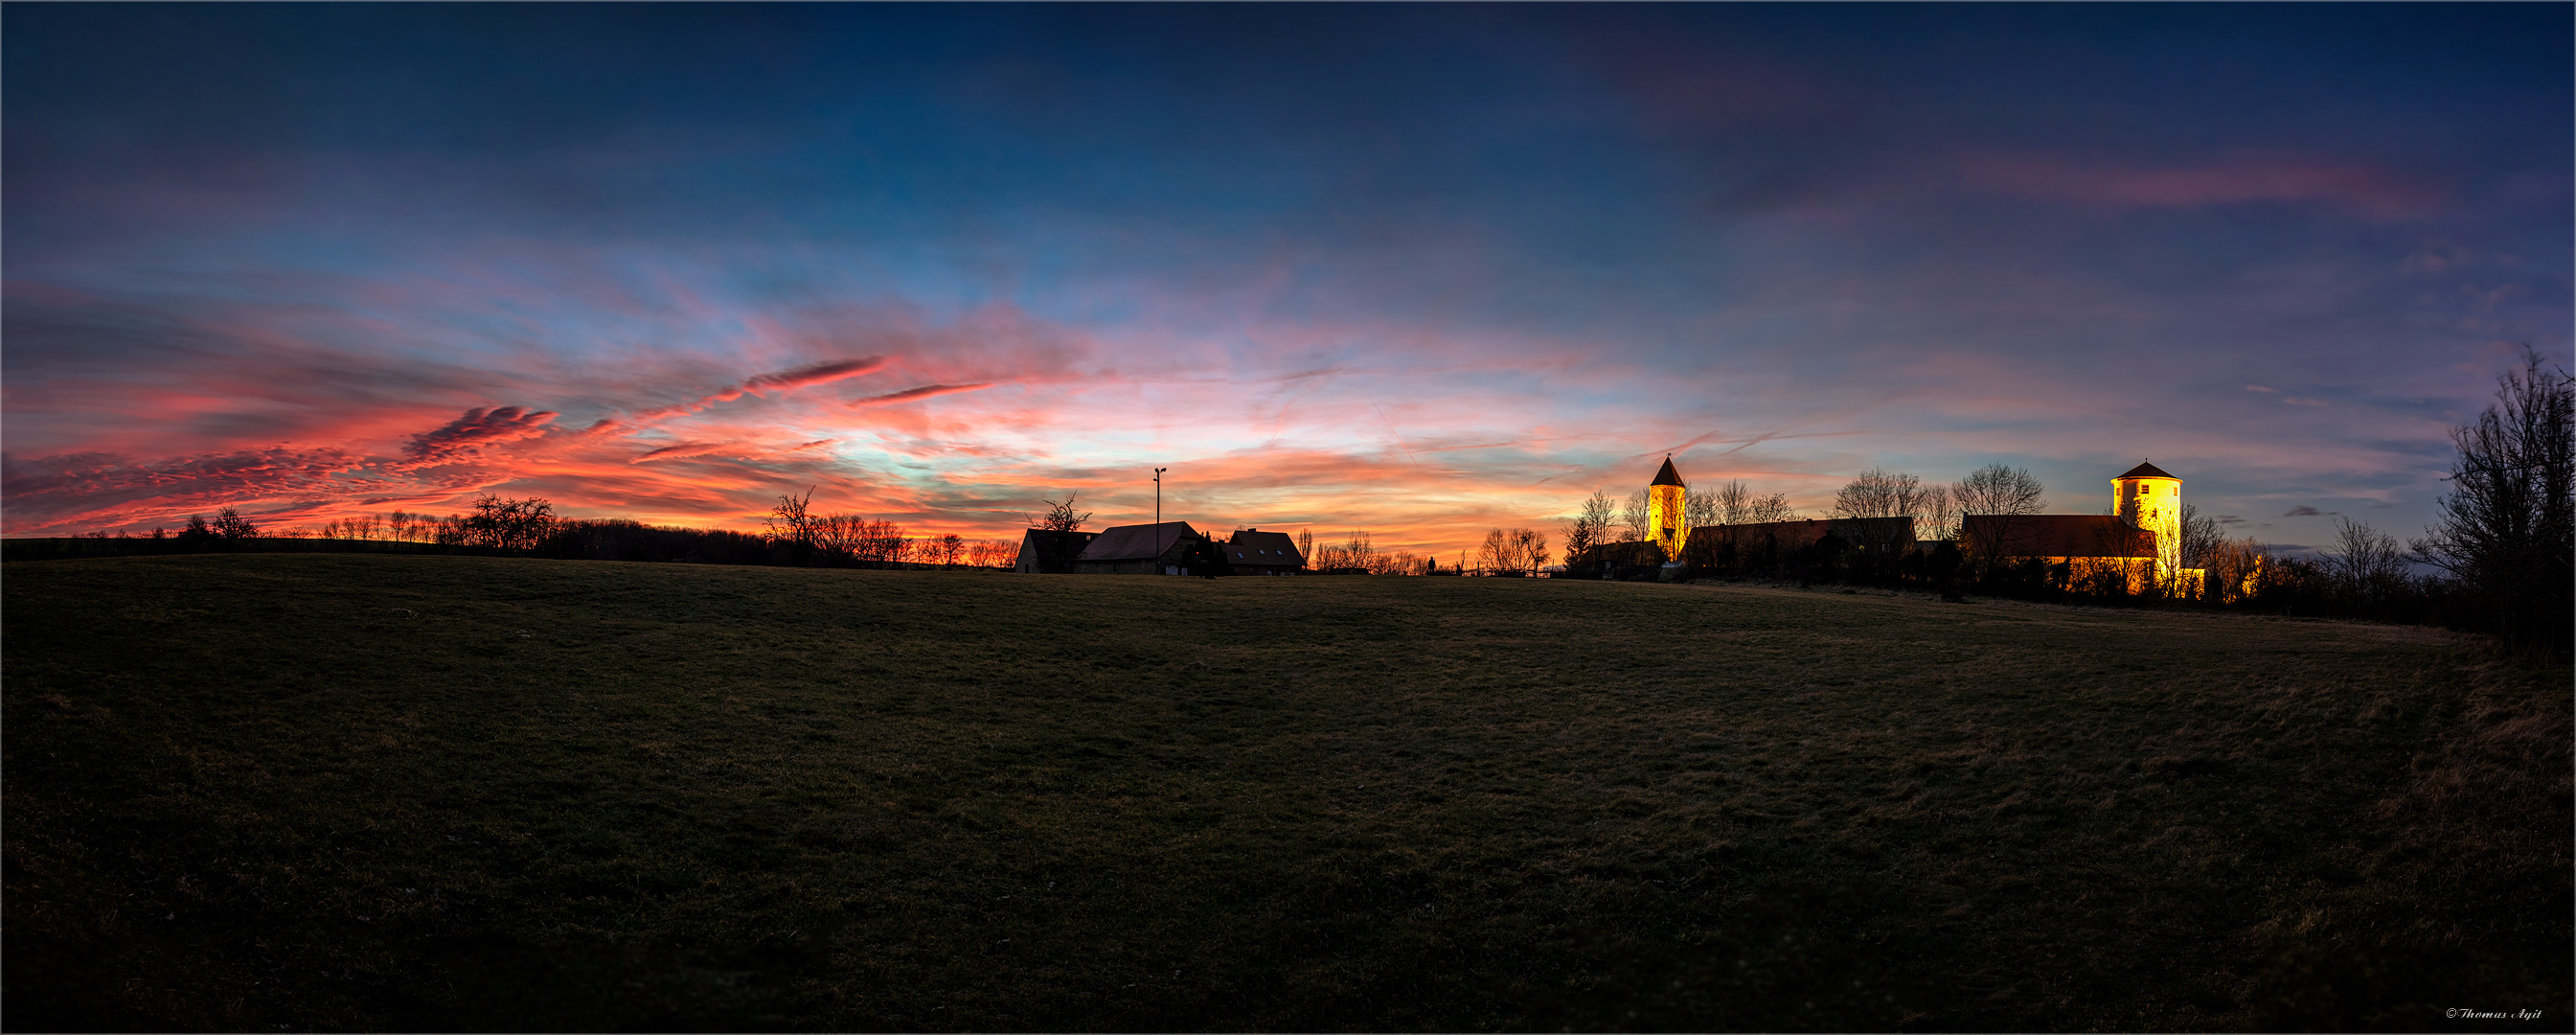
x: 1158, y: 513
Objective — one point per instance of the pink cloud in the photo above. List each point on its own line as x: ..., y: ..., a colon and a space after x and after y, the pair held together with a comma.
x: 923, y: 392
x: 819, y: 373
x: 477, y: 429
x: 683, y: 450
x: 764, y: 385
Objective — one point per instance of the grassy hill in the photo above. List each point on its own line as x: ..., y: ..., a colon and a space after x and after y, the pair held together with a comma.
x: 266, y: 791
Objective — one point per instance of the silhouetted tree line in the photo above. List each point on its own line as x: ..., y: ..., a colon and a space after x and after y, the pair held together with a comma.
x: 1356, y: 554
x: 504, y: 526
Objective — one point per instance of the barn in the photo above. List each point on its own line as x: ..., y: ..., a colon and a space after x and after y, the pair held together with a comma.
x: 1139, y: 550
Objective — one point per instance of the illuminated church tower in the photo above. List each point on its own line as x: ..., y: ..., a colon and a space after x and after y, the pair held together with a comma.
x: 1664, y: 511
x: 2148, y: 498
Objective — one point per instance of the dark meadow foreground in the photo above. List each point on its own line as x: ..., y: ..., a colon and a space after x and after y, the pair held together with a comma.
x: 278, y: 791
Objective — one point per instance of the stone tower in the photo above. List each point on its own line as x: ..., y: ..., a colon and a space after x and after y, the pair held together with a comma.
x: 2146, y: 497
x: 1664, y: 522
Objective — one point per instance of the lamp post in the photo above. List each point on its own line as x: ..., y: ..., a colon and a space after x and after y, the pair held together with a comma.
x: 1158, y: 513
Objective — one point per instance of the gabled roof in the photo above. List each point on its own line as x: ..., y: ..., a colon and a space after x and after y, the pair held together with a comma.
x: 1271, y: 548
x: 2147, y: 470
x: 1667, y: 476
x: 1790, y: 535
x: 1137, y: 542
x: 2056, y: 535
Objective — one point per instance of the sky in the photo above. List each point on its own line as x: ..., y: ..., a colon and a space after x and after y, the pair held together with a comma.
x: 1420, y: 271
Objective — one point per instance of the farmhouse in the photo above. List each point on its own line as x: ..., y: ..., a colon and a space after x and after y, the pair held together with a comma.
x: 2095, y: 549
x: 1255, y: 552
x: 1051, y: 552
x: 1162, y: 549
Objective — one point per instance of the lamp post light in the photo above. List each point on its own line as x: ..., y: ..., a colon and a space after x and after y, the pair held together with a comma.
x: 1158, y: 512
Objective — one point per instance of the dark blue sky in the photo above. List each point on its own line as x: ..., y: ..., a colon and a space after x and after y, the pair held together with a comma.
x: 1418, y: 269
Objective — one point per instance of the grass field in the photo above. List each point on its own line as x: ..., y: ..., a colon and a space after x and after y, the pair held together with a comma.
x: 289, y: 792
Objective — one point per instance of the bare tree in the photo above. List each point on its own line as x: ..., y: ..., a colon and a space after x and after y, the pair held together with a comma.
x: 1060, y: 516
x: 506, y: 523
x: 1513, y: 552
x: 792, y: 524
x: 990, y: 553
x: 880, y: 543
x: 1355, y: 555
x: 1733, y: 502
x: 2508, y: 525
x: 1494, y: 556
x: 1059, y: 539
x: 1774, y: 507
x: 2237, y: 569
x: 1880, y: 493
x: 1590, y: 528
x: 1699, y: 510
x: 231, y: 526
x: 2200, y: 537
x: 1940, y: 521
x: 2004, y: 496
x: 1529, y: 548
x: 1394, y: 562
x: 2368, y: 567
x: 1634, y: 515
x: 359, y: 527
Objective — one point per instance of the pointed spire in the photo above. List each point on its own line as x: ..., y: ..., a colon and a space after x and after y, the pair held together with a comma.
x: 1667, y: 476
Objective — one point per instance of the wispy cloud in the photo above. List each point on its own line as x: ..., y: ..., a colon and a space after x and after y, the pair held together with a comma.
x: 470, y: 434
x: 910, y: 394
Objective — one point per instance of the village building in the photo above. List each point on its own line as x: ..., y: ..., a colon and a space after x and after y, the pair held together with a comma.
x: 1664, y: 522
x: 1045, y: 551
x: 2095, y: 550
x: 2135, y: 548
x: 1889, y: 537
x: 1162, y: 549
x: 1255, y: 552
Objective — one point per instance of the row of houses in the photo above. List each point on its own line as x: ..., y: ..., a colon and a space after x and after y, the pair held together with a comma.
x: 1169, y: 548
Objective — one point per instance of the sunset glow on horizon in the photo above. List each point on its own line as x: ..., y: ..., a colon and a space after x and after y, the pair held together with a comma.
x: 1419, y: 272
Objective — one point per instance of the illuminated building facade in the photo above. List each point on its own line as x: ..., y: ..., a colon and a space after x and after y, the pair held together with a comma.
x: 2137, y: 548
x: 2148, y: 498
x: 1664, y: 521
